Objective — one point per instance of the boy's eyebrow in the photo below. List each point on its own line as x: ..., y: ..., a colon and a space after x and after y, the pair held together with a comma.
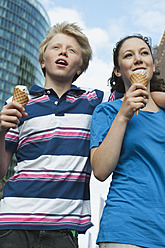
x: 59, y: 43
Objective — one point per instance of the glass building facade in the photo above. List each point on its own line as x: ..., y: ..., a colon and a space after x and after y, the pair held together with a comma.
x: 23, y: 25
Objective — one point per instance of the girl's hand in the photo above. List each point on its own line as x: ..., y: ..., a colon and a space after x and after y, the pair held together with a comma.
x: 10, y: 115
x: 135, y: 98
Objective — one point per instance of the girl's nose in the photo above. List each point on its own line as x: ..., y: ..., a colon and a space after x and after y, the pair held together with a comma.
x: 138, y: 59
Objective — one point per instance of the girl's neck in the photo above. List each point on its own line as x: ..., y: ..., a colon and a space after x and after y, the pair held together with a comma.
x: 151, y: 105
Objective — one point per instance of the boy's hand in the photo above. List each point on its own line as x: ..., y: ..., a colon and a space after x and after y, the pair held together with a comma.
x: 10, y: 115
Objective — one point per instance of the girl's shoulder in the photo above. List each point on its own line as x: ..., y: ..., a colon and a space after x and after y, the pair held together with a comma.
x: 116, y: 104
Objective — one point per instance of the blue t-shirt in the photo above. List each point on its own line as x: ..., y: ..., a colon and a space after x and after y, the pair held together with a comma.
x: 135, y: 206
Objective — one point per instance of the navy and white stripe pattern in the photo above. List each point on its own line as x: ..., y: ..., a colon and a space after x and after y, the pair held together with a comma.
x: 50, y: 187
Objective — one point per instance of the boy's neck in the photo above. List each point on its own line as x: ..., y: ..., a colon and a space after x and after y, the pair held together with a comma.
x: 59, y: 87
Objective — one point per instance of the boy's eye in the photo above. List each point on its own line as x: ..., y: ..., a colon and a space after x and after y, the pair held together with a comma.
x: 56, y: 47
x: 71, y: 50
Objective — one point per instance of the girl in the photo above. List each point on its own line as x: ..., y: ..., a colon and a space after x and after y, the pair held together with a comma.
x: 133, y: 148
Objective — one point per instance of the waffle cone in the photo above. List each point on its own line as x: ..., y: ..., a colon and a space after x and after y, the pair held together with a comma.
x: 20, y: 97
x: 140, y: 79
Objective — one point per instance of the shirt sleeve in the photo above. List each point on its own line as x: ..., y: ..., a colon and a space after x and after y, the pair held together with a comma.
x: 111, y: 96
x: 11, y: 140
x: 101, y: 122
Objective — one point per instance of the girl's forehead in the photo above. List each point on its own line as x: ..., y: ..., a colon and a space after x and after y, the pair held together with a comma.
x: 133, y: 42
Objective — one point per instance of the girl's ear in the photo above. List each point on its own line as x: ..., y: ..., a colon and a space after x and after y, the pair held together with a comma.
x: 117, y: 72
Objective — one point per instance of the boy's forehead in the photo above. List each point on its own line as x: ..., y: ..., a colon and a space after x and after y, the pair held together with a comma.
x: 63, y: 38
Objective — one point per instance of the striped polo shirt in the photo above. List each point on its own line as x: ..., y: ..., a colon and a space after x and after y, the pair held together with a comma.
x: 50, y: 187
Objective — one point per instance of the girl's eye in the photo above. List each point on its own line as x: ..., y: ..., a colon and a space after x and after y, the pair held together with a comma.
x: 127, y: 55
x: 145, y: 52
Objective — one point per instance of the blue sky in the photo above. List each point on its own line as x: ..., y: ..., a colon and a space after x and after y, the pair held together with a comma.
x: 105, y: 22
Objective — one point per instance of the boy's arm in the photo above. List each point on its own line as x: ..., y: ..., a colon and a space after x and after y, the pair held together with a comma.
x: 159, y: 98
x: 5, y: 156
x: 9, y: 118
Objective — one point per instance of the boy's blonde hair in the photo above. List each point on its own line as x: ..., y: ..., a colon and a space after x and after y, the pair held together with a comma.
x: 69, y: 29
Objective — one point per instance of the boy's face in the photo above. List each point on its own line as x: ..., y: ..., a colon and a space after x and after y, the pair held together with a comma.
x: 62, y: 58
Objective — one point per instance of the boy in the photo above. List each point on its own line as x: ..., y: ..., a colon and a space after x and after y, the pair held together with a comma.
x: 47, y: 201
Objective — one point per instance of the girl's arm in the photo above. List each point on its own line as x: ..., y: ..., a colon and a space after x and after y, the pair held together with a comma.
x: 104, y: 158
x: 159, y: 98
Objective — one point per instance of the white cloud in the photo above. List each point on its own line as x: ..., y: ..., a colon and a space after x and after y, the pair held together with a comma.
x: 98, y: 37
x: 96, y: 75
x: 100, y: 43
x: 152, y: 20
x: 149, y: 4
x: 65, y: 14
x: 46, y: 2
x: 148, y: 17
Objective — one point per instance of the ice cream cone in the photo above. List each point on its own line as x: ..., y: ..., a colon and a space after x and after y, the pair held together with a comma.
x: 20, y: 95
x: 138, y: 77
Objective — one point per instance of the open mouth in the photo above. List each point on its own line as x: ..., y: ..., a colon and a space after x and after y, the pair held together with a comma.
x: 61, y: 62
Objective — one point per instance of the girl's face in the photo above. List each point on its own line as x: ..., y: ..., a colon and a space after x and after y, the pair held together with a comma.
x: 134, y: 55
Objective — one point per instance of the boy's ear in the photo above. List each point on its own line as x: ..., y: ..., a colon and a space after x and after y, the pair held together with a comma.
x: 42, y: 64
x: 79, y: 71
x: 117, y: 72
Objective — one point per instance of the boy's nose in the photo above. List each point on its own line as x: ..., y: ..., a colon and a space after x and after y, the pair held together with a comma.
x: 63, y: 51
